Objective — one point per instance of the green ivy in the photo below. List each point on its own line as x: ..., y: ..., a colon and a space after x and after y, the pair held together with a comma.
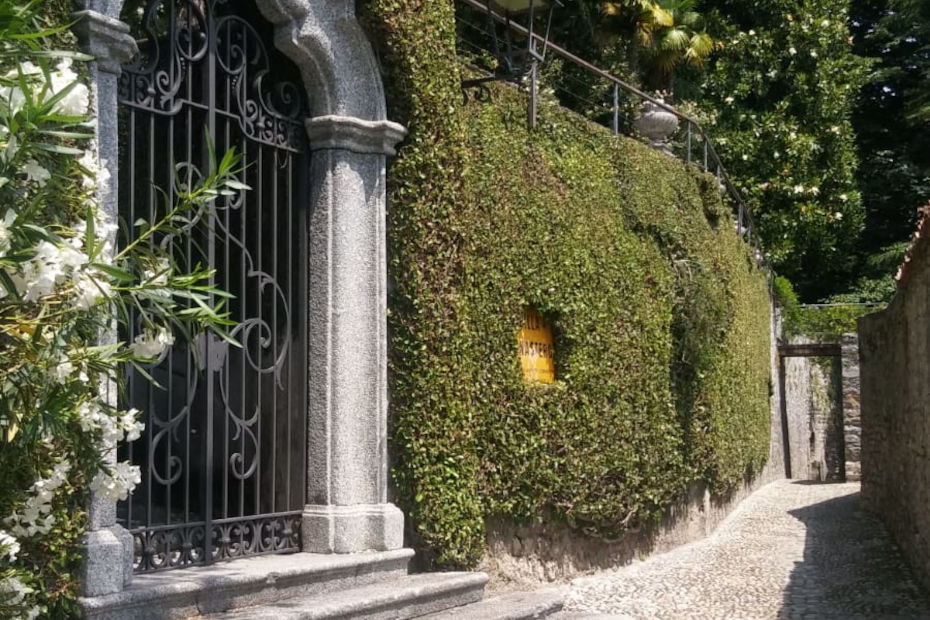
x: 824, y: 323
x: 661, y: 317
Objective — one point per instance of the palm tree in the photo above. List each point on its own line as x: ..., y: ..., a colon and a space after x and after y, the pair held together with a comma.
x: 678, y: 38
x: 667, y: 33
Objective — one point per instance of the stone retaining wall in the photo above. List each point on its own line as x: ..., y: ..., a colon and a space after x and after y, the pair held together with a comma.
x: 895, y: 400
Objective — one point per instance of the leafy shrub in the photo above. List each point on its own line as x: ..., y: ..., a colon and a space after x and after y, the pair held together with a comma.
x: 827, y: 322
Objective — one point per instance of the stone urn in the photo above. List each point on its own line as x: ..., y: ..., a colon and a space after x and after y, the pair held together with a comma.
x: 657, y: 124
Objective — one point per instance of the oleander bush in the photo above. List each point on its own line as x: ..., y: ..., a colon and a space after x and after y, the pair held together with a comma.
x: 66, y: 289
x: 661, y: 316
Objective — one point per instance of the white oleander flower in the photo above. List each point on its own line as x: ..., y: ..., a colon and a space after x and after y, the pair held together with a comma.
x: 130, y: 425
x: 792, y: 50
x: 6, y: 237
x: 9, y: 546
x: 118, y: 485
x: 37, y: 173
x: 61, y: 371
x: 34, y: 517
x: 14, y: 591
x: 76, y: 101
x: 838, y: 216
x: 12, y: 99
x: 96, y: 171
x: 159, y: 274
x: 151, y: 343
x: 798, y: 189
x: 51, y: 265
x: 90, y: 289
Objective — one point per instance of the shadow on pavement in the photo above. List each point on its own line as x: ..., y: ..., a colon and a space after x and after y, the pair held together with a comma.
x: 851, y: 568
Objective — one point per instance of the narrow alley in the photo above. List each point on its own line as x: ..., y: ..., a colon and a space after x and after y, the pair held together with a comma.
x: 794, y: 549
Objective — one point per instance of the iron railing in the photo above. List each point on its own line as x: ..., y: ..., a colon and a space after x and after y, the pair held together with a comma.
x: 695, y: 147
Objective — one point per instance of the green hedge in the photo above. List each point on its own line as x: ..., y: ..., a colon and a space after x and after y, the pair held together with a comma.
x: 661, y: 319
x: 822, y: 323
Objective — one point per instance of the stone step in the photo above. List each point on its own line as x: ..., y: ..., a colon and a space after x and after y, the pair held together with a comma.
x: 187, y: 593
x: 411, y: 596
x: 510, y: 606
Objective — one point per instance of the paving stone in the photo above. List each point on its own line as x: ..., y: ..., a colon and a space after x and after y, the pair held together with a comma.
x: 792, y: 550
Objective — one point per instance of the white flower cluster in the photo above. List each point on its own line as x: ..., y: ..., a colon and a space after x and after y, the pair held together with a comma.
x: 9, y: 546
x: 113, y: 428
x: 13, y: 593
x: 63, y: 77
x: 34, y: 517
x: 55, y: 265
x: 51, y: 266
x: 117, y: 485
x: 151, y: 343
x: 6, y: 236
x: 158, y: 276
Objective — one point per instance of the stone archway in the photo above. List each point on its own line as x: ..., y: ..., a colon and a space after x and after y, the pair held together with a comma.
x: 350, y: 139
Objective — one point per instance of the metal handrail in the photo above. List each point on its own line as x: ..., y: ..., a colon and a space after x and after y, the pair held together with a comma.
x: 721, y: 171
x: 855, y: 304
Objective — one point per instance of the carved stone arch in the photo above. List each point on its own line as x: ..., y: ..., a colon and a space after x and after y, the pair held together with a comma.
x: 350, y: 138
x: 324, y: 39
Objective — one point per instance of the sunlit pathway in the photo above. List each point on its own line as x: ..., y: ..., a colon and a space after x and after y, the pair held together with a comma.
x: 792, y: 550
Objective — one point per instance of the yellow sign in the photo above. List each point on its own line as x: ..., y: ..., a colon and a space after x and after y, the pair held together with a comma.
x: 537, y: 355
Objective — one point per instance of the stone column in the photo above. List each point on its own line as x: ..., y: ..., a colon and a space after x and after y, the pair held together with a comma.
x: 347, y: 507
x: 852, y: 420
x: 107, y: 566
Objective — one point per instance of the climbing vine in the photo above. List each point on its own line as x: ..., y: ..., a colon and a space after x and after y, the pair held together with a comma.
x: 661, y: 318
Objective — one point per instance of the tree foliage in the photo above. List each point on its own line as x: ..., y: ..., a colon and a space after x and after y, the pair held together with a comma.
x: 782, y: 90
x: 892, y: 124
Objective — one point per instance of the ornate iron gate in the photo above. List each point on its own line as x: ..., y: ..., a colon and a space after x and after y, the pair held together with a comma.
x: 223, y: 456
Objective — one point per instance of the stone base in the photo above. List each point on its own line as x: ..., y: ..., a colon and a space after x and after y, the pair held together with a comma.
x: 352, y: 529
x: 107, y: 561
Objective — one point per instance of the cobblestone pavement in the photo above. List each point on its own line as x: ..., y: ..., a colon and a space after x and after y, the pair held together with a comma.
x: 791, y: 550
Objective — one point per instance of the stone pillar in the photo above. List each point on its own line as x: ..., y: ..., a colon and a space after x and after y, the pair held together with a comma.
x: 347, y: 507
x: 107, y: 566
x: 852, y: 420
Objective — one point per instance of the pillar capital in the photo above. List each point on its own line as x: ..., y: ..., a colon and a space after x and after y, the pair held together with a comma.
x: 354, y: 134
x: 107, y: 39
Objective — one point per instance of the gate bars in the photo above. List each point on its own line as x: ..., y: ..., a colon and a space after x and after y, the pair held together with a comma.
x: 223, y: 457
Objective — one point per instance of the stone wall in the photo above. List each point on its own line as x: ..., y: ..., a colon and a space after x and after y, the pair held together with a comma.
x: 852, y: 419
x: 895, y: 401
x: 520, y: 556
x: 814, y: 417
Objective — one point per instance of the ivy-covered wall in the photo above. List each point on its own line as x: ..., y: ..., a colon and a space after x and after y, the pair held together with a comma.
x: 661, y: 319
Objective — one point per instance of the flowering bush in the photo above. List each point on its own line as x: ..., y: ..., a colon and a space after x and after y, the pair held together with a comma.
x: 782, y: 89
x: 66, y: 290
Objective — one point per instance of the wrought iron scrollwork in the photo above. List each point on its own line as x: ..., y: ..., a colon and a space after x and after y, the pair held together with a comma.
x: 154, y: 79
x: 205, y: 64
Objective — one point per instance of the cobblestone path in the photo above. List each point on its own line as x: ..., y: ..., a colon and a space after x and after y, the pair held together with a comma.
x: 791, y: 550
